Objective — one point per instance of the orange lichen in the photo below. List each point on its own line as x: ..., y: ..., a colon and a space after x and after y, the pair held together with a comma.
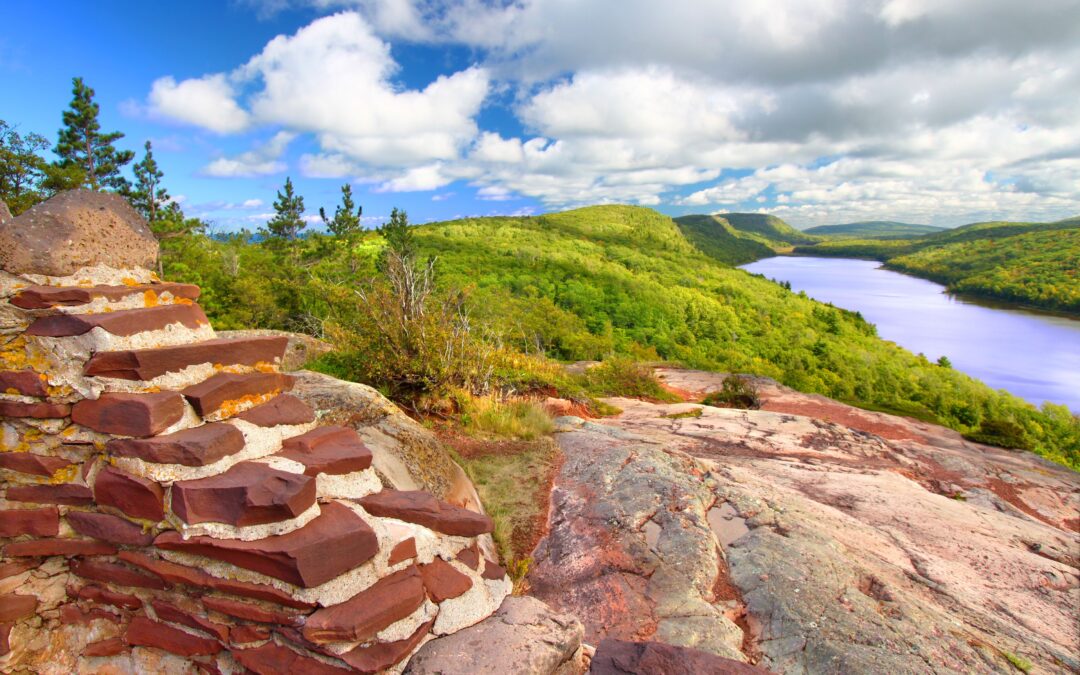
x: 12, y: 390
x: 129, y: 281
x: 184, y: 301
x: 65, y: 474
x: 150, y: 298
x: 265, y: 367
x: 239, y: 405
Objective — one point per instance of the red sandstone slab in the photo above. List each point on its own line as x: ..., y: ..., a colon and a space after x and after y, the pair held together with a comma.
x: 330, y: 545
x: 14, y: 606
x: 197, y: 446
x: 108, y: 527
x: 136, y: 496
x: 28, y: 462
x: 442, y: 581
x: 249, y: 611
x: 492, y: 570
x: 470, y: 557
x: 245, y: 634
x: 107, y: 647
x: 380, y: 656
x: 329, y: 450
x: 71, y: 614
x: 359, y: 618
x: 211, y: 394
x: 146, y: 364
x: 282, y: 409
x: 106, y: 597
x: 35, y: 522
x: 249, y: 493
x: 64, y: 547
x: 115, y: 574
x: 172, y: 613
x: 402, y: 551
x: 144, y: 632
x: 37, y: 410
x: 417, y: 506
x: 45, y: 297
x: 24, y: 382
x: 124, y: 322
x: 68, y: 494
x: 130, y: 414
x: 10, y: 569
x: 274, y: 659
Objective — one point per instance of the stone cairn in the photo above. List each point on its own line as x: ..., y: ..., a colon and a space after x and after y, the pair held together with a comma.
x: 168, y: 506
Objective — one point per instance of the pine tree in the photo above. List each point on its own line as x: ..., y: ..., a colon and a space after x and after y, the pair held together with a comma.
x: 289, y: 208
x: 82, y: 144
x: 344, y: 223
x: 399, y: 238
x: 22, y: 169
x: 148, y: 196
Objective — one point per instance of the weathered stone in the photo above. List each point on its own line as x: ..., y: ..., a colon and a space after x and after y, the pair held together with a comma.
x: 107, y: 647
x: 470, y: 557
x: 361, y: 617
x: 76, y: 229
x: 136, y: 496
x: 123, y: 322
x: 197, y: 446
x: 245, y: 634
x: 10, y: 569
x: 620, y: 657
x: 182, y: 574
x: 382, y: 655
x: 64, y: 547
x: 524, y: 637
x: 249, y: 493
x: 493, y: 570
x: 139, y: 415
x: 417, y: 506
x: 5, y: 213
x: 282, y: 409
x: 115, y: 574
x: 331, y: 544
x: 72, y: 614
x: 69, y: 494
x: 146, y: 364
x: 38, y: 409
x: 44, y: 297
x: 24, y: 382
x: 300, y: 350
x: 249, y: 611
x: 108, y: 527
x: 169, y: 612
x: 107, y: 597
x: 210, y: 395
x: 329, y: 450
x: 442, y: 581
x: 14, y: 606
x: 274, y: 659
x: 144, y: 632
x: 36, y: 522
x: 402, y: 551
x: 28, y: 462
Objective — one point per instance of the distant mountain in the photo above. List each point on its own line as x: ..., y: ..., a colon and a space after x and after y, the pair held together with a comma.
x: 716, y: 238
x: 767, y: 226
x: 874, y: 229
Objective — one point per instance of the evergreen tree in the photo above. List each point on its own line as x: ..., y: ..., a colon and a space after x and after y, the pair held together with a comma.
x: 22, y: 169
x: 82, y: 144
x: 289, y: 208
x: 345, y: 223
x: 399, y: 238
x: 148, y: 196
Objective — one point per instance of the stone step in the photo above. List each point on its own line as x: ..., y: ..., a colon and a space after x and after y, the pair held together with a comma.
x: 420, y: 507
x: 329, y: 450
x: 330, y: 545
x: 146, y: 364
x: 46, y: 297
x: 197, y: 446
x: 282, y: 409
x: 223, y: 389
x: 122, y: 323
x: 249, y: 493
x: 130, y: 414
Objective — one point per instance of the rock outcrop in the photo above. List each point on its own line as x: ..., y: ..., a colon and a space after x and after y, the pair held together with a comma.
x: 169, y: 506
x: 867, y: 544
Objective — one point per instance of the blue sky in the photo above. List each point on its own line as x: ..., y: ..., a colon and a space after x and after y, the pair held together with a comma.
x: 826, y: 111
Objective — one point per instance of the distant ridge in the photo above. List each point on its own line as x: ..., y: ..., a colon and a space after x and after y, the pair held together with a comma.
x: 768, y: 226
x: 874, y: 229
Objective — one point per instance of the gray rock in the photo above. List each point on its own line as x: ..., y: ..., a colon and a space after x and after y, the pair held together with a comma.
x: 75, y: 229
x: 524, y: 637
x: 5, y: 213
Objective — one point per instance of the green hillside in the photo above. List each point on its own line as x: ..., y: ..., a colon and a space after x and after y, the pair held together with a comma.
x: 874, y: 229
x: 772, y: 228
x: 716, y: 238
x: 602, y: 281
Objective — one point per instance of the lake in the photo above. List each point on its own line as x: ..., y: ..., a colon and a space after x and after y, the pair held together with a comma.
x: 1028, y: 353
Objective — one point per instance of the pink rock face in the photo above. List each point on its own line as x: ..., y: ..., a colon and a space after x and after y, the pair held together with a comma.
x: 130, y: 414
x: 250, y: 493
x: 359, y: 618
x: 417, y: 506
x: 197, y: 446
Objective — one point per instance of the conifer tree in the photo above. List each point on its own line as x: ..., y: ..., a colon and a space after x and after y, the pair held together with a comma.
x: 82, y: 144
x: 149, y: 197
x: 344, y: 223
x: 289, y: 208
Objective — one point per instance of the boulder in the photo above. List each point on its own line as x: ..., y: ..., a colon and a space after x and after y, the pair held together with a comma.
x: 524, y: 636
x: 76, y: 229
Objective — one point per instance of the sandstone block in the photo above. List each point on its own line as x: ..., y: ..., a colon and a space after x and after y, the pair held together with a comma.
x: 25, y: 382
x: 402, y: 551
x: 442, y: 581
x: 37, y: 410
x: 361, y: 617
x: 68, y: 494
x: 109, y: 528
x: 329, y: 450
x: 106, y: 597
x: 130, y: 414
x: 146, y: 364
x: 493, y: 571
x: 273, y: 659
x: 382, y: 655
x: 36, y: 522
x: 107, y: 647
x: 210, y: 395
x: 168, y: 612
x: 147, y: 633
x: 14, y: 606
x: 28, y: 462
x: 470, y: 557
x: 123, y: 322
x: 244, y: 634
x: 417, y: 506
x: 282, y: 409
x: 197, y: 446
x: 249, y: 611
x: 45, y: 297
x: 249, y: 493
x: 136, y: 496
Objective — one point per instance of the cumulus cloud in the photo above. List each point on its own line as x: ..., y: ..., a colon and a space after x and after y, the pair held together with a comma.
x: 263, y: 160
x: 205, y: 101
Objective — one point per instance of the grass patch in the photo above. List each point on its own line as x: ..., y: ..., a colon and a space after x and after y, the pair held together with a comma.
x: 695, y: 413
x: 618, y: 376
x: 487, y: 416
x: 1018, y: 662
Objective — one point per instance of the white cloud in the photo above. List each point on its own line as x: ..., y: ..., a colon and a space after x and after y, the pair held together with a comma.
x: 263, y: 160
x: 417, y: 179
x: 207, y: 102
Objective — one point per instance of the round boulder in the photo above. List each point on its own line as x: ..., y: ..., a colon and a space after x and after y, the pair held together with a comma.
x: 76, y: 229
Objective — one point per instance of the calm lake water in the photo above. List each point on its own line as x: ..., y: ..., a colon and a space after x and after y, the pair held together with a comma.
x: 1033, y: 355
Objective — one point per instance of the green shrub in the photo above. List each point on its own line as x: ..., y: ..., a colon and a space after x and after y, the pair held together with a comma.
x: 735, y: 392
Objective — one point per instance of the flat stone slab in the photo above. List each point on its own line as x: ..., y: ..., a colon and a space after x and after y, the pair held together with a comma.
x: 417, y: 506
x: 43, y: 522
x: 282, y: 409
x: 381, y: 655
x: 130, y: 414
x: 46, y: 297
x: 249, y: 493
x: 330, y: 545
x: 212, y: 394
x: 23, y: 382
x: 329, y: 450
x: 144, y: 632
x: 37, y: 410
x: 28, y: 462
x: 146, y: 364
x: 136, y: 496
x: 274, y: 658
x: 362, y: 616
x: 123, y: 322
x: 197, y: 446
x: 107, y: 527
x: 442, y: 581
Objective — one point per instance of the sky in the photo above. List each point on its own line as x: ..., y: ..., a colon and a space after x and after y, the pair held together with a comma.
x: 819, y: 111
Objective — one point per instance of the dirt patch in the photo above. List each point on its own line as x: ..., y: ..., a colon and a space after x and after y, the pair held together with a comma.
x: 839, y: 413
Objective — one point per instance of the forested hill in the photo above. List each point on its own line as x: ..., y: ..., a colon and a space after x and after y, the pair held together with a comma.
x: 874, y: 229
x: 715, y: 237
x: 771, y: 227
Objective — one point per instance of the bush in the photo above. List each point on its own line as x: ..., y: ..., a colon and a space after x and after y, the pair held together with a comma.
x: 489, y: 416
x: 736, y: 392
x: 618, y: 376
x: 1002, y: 433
